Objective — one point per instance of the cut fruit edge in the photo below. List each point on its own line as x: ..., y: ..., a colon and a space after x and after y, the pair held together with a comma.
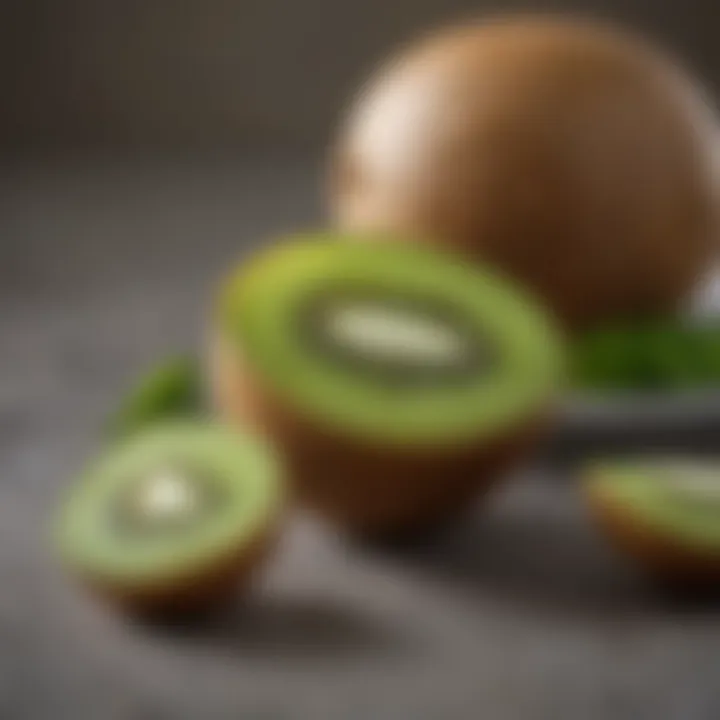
x: 539, y: 362
x: 82, y: 515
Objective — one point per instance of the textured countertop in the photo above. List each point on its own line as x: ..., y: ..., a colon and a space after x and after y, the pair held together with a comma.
x: 519, y: 614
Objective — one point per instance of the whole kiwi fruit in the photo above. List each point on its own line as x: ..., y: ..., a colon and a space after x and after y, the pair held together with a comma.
x: 573, y: 155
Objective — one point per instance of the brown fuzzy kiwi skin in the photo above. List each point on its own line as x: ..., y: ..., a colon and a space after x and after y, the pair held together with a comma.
x: 666, y: 558
x: 193, y: 594
x: 568, y: 153
x: 371, y: 491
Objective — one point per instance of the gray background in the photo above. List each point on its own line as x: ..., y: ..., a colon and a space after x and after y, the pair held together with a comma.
x: 242, y: 72
x: 145, y: 146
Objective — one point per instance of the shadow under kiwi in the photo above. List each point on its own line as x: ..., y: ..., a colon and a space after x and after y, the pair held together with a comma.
x: 547, y: 556
x: 278, y: 628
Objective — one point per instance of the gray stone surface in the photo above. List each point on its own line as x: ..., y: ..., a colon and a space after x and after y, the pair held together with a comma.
x: 520, y: 614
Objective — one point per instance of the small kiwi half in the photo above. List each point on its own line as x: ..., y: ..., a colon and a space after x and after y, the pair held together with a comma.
x: 399, y: 381
x: 663, y: 512
x: 173, y: 519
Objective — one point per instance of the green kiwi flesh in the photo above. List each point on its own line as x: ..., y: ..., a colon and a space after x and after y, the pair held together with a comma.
x: 169, y: 390
x: 391, y: 342
x: 165, y: 510
x: 673, y: 497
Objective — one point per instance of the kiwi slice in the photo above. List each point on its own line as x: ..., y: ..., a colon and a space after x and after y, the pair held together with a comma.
x: 664, y: 512
x: 173, y: 518
x: 398, y: 380
x: 169, y: 390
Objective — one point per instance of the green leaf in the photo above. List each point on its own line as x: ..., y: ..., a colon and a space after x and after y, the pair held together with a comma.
x: 171, y: 389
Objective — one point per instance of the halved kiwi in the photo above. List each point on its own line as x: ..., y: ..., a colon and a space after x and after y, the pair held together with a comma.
x: 171, y: 389
x: 173, y: 519
x: 663, y: 512
x: 399, y: 381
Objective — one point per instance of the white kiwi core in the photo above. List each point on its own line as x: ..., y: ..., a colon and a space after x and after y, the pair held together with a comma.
x: 168, y: 495
x: 167, y: 498
x: 693, y: 482
x: 396, y: 335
